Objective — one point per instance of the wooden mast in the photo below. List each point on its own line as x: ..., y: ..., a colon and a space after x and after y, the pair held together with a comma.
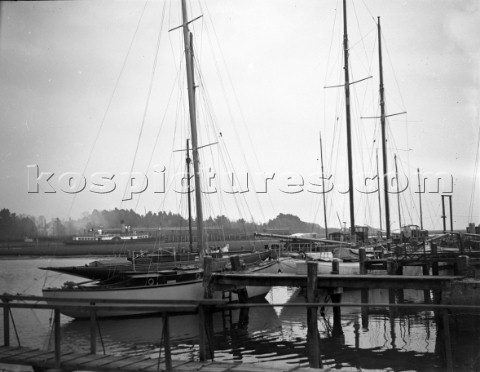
x: 420, y: 198
x: 188, y: 44
x: 348, y: 119
x: 398, y: 196
x: 190, y: 233
x: 384, y: 139
x: 323, y: 189
x: 379, y: 199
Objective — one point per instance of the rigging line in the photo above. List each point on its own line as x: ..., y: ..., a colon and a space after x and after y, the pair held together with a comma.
x: 159, y: 131
x: 212, y: 120
x: 393, y: 72
x: 475, y: 172
x: 147, y: 104
x: 237, y: 101
x: 110, y: 99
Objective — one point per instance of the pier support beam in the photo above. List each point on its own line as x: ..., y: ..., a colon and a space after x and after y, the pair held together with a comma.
x: 6, y: 324
x: 461, y: 265
x: 313, y: 337
x: 207, y: 273
x: 336, y: 296
x: 205, y: 321
x: 237, y: 266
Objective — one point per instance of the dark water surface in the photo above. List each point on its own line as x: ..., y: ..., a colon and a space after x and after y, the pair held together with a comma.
x: 383, y: 340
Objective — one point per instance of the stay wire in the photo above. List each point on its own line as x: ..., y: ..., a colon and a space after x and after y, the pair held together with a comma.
x: 147, y: 103
x: 122, y: 70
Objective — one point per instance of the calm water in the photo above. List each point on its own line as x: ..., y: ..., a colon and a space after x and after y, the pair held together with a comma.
x: 405, y: 340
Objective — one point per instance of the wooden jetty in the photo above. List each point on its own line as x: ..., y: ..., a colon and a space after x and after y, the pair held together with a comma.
x: 42, y: 360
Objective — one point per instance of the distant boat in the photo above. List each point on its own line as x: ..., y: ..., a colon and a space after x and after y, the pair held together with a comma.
x: 110, y: 238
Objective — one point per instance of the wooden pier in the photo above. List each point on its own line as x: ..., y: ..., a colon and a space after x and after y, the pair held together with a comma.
x: 42, y: 360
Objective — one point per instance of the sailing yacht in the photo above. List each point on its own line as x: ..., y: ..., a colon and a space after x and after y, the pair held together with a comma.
x: 183, y: 282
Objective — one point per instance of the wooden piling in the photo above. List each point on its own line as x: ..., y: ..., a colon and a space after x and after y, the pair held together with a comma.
x: 461, y: 265
x: 426, y: 292
x: 434, y: 252
x: 205, y: 341
x: 237, y: 266
x: 6, y: 324
x: 364, y: 292
x: 362, y: 254
x: 58, y: 341
x: 313, y: 337
x: 207, y: 273
x: 447, y: 340
x: 336, y: 296
x: 166, y: 342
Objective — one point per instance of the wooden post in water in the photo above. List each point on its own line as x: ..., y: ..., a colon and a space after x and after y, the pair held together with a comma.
x: 336, y: 296
x: 207, y: 273
x: 205, y: 332
x: 461, y: 265
x: 362, y: 255
x: 93, y: 332
x: 426, y: 292
x: 364, y: 292
x: 313, y: 337
x: 166, y: 342
x: 58, y: 341
x: 6, y: 324
x: 447, y: 340
x: 237, y: 266
x: 434, y: 252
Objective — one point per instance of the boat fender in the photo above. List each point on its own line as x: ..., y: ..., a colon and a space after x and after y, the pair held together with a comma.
x: 150, y: 281
x: 198, y: 276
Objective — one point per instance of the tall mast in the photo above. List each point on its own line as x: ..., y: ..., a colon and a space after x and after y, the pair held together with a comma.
x: 420, y: 198
x: 323, y: 189
x: 384, y: 139
x: 190, y: 233
x: 188, y: 44
x: 349, y: 136
x: 379, y: 198
x: 398, y: 196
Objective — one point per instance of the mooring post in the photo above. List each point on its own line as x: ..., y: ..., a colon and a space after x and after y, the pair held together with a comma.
x: 237, y: 266
x: 461, y: 265
x: 447, y: 340
x: 434, y: 252
x: 426, y: 292
x: 6, y: 323
x: 166, y: 341
x: 58, y: 341
x: 205, y: 332
x: 364, y: 292
x: 93, y: 332
x: 207, y: 274
x: 362, y: 255
x: 336, y: 296
x: 313, y: 337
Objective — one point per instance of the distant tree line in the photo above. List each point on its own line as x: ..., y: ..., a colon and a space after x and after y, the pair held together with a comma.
x: 13, y: 227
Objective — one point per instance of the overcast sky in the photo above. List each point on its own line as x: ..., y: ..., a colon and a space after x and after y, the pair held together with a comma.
x: 79, y: 94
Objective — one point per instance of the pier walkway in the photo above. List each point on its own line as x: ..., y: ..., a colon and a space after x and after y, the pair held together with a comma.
x: 41, y: 360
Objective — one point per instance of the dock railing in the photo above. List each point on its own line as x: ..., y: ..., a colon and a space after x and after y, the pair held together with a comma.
x: 205, y: 309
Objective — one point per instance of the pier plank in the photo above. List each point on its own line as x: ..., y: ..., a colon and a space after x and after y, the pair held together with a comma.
x: 103, y: 361
x: 144, y: 365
